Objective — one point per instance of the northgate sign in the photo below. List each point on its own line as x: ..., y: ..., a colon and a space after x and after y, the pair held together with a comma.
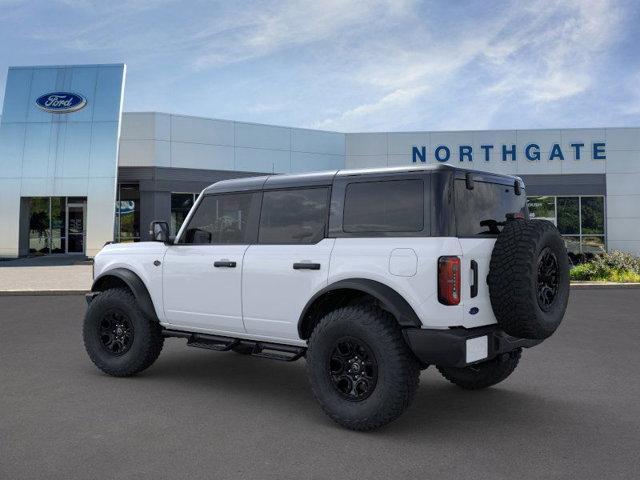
x: 531, y: 152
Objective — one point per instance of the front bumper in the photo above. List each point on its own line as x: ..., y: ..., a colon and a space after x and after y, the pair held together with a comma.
x: 460, y: 347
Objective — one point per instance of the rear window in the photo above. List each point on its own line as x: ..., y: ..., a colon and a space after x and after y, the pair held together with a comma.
x: 294, y: 216
x: 483, y: 210
x: 384, y: 206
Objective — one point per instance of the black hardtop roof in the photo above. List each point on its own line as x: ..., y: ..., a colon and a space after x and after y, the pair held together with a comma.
x: 326, y: 178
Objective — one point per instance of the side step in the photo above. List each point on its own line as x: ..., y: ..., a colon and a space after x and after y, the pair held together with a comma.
x: 274, y: 351
x: 212, y: 342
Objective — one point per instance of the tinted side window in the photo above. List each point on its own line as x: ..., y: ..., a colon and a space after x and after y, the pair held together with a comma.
x: 294, y: 216
x: 219, y: 219
x: 483, y: 210
x: 384, y: 206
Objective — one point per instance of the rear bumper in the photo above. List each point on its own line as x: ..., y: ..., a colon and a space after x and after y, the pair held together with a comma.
x: 460, y: 347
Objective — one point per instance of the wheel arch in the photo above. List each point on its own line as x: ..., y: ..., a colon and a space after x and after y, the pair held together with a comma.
x: 346, y: 291
x: 123, y: 277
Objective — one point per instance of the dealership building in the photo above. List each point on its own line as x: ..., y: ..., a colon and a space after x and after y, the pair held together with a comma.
x: 76, y: 171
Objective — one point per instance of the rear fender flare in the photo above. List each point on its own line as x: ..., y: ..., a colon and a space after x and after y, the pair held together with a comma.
x: 389, y: 300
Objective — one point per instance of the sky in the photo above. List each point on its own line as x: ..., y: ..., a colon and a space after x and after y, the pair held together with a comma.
x: 348, y: 65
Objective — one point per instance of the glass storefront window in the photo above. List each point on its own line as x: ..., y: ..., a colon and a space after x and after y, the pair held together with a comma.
x: 592, y: 214
x: 568, y: 215
x: 593, y: 244
x: 542, y: 208
x: 127, y: 226
x: 572, y: 243
x: 48, y: 225
x: 58, y: 225
x: 581, y: 220
x: 39, y: 227
x: 181, y: 203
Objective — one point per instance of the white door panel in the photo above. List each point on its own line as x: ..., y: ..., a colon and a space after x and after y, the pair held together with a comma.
x: 197, y: 293
x: 274, y: 293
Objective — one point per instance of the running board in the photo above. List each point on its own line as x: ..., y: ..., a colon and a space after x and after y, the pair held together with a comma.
x: 274, y: 351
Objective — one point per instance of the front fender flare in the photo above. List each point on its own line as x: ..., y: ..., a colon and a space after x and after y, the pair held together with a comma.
x: 135, y: 284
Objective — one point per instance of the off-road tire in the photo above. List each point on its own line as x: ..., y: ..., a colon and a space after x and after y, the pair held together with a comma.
x: 514, y: 278
x: 483, y: 375
x: 398, y: 371
x: 147, y: 334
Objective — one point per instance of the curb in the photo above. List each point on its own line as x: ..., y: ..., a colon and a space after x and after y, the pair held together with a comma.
x: 602, y: 285
x: 40, y: 293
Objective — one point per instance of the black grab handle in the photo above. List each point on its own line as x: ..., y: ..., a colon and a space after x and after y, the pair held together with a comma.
x: 306, y: 266
x: 474, y: 287
x: 226, y: 264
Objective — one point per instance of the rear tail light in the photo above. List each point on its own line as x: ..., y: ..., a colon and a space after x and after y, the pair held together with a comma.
x: 449, y: 280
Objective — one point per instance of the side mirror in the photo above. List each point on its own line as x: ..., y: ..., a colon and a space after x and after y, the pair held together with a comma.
x: 159, y: 231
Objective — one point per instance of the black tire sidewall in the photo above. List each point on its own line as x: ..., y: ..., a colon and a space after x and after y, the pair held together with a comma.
x: 483, y: 375
x: 319, y: 365
x: 395, y: 367
x: 123, y: 302
x: 548, y: 321
x: 513, y: 279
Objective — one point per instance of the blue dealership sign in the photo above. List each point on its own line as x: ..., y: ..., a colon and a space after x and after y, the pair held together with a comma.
x: 444, y: 153
x: 61, y: 102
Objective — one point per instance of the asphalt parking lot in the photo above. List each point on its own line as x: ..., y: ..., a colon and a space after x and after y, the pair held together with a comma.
x: 571, y: 410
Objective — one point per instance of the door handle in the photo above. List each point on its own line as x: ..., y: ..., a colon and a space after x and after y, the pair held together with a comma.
x: 474, y: 286
x: 306, y: 266
x: 225, y: 264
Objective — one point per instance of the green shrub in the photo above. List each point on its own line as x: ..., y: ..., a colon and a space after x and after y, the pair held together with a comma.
x: 614, y: 266
x: 584, y: 271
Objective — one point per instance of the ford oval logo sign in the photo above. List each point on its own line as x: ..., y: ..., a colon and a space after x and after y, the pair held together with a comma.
x: 61, y: 102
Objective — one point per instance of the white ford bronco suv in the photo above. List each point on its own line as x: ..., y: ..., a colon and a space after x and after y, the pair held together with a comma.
x: 370, y: 275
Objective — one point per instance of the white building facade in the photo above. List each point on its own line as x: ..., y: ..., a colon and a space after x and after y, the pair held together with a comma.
x: 587, y: 181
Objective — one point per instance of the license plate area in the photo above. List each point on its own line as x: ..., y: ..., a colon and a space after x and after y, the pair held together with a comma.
x: 477, y: 349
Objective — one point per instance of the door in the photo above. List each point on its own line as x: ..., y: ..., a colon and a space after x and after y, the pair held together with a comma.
x: 202, y: 272
x: 289, y: 263
x: 76, y: 227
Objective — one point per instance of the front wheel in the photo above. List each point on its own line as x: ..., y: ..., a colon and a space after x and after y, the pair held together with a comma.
x: 119, y: 339
x: 361, y: 372
x: 485, y: 374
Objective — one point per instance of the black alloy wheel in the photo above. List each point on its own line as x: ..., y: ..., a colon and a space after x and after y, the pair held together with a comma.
x: 548, y: 270
x: 116, y: 333
x: 353, y: 369
x: 119, y: 338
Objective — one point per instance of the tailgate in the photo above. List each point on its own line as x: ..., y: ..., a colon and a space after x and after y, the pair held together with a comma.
x: 476, y: 255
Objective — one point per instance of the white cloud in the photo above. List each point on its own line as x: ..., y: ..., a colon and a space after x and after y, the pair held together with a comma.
x: 286, y: 24
x: 550, y: 57
x: 533, y: 54
x: 398, y: 98
x: 350, y: 64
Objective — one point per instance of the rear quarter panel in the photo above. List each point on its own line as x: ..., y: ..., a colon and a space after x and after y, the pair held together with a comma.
x: 371, y: 258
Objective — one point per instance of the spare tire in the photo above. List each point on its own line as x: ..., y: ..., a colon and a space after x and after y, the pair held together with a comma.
x: 529, y: 278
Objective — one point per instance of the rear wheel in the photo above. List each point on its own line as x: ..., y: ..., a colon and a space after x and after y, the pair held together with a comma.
x: 360, y: 369
x: 483, y: 375
x: 119, y: 339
